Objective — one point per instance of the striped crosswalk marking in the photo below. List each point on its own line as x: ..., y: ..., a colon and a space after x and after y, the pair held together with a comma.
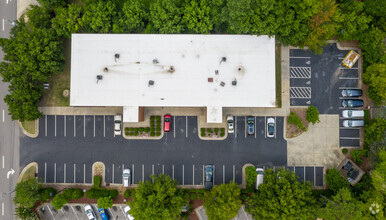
x: 300, y: 72
x: 300, y: 92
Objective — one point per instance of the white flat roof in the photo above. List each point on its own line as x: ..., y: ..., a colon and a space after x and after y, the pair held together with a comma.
x: 181, y: 67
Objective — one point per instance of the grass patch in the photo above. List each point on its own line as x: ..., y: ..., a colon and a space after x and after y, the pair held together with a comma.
x: 29, y: 126
x: 367, y: 116
x: 278, y: 74
x: 59, y: 82
x: 28, y: 174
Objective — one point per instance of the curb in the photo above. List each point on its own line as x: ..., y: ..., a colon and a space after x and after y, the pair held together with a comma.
x: 34, y: 164
x: 27, y: 133
x: 103, y: 182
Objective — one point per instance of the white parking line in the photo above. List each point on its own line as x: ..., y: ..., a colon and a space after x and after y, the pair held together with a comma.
x: 152, y: 173
x: 84, y: 173
x: 84, y: 126
x: 94, y: 125
x: 348, y: 128
x: 163, y: 170
x: 65, y: 133
x: 349, y: 138
x: 173, y: 171
x: 74, y: 212
x: 348, y: 87
x: 3, y: 115
x: 304, y: 172
x: 186, y: 126
x: 255, y: 126
x: 355, y: 78
x: 54, y: 172
x: 65, y: 171
x: 193, y: 174
x: 74, y: 172
x: 245, y: 126
x: 123, y: 212
x: 203, y: 174
x: 314, y: 176
x: 45, y: 172
x: 143, y: 173
x: 233, y: 173
x: 132, y: 166
x: 74, y: 126
x: 45, y: 124
x: 3, y: 19
x: 174, y: 126
x: 223, y: 174
x: 345, y: 68
x: 123, y: 167
x: 265, y: 126
x: 104, y: 125
x: 275, y: 127
x: 343, y: 98
x: 113, y: 175
x: 55, y: 125
x: 214, y: 173
x: 63, y: 213
x: 3, y: 162
x: 183, y: 174
x: 301, y: 57
x: 49, y: 209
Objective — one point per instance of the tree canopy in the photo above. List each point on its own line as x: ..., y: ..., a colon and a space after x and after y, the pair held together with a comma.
x: 166, y: 16
x: 159, y: 200
x: 27, y: 193
x: 375, y: 77
x: 223, y: 202
x: 379, y: 173
x: 312, y: 114
x: 99, y: 15
x: 282, y: 196
x: 132, y: 18
x: 105, y: 202
x: 67, y: 20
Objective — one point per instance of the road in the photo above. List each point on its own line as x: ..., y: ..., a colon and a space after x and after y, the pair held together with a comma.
x: 9, y: 131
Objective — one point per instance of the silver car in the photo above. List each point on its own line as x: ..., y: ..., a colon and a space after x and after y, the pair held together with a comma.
x: 126, y: 176
x: 353, y: 123
x: 118, y: 124
x: 260, y: 177
x: 270, y: 127
x: 353, y: 113
x: 90, y: 212
x: 231, y: 127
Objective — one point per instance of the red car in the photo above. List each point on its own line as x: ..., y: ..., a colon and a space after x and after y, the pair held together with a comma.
x: 167, y: 123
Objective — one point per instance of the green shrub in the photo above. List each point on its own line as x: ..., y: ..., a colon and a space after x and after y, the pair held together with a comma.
x: 193, y: 196
x: 152, y: 123
x: 59, y: 201
x: 251, y: 175
x: 97, y: 181
x: 202, y: 130
x: 222, y: 134
x: 152, y: 118
x: 243, y: 196
x: 105, y: 202
x: 128, y: 193
x: 222, y: 130
x: 141, y: 129
x: 335, y: 181
x: 131, y: 129
x: 73, y: 193
x: 158, y: 118
x: 113, y: 193
x: 158, y: 128
x: 312, y: 114
x: 47, y: 193
x: 136, y: 133
x: 131, y: 134
x: 357, y: 155
x: 127, y: 133
x: 203, y: 134
x: 25, y: 213
x: 216, y: 130
x: 344, y: 150
x: 295, y: 120
x: 147, y: 129
x: 200, y: 196
x: 158, y: 133
x: 126, y: 129
x: 209, y: 130
x: 95, y: 193
x: 152, y: 134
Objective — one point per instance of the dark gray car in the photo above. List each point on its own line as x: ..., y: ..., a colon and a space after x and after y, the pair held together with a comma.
x: 352, y: 103
x: 251, y: 125
x: 209, y: 176
x: 351, y: 92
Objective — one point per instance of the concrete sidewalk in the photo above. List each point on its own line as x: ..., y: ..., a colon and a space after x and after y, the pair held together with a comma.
x: 23, y: 5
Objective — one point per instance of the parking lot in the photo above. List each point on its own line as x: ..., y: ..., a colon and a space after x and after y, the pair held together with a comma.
x: 319, y: 79
x: 76, y: 212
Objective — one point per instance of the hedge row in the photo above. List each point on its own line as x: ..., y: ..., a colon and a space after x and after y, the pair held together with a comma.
x: 96, y: 192
x: 61, y: 199
x: 153, y: 130
x: 212, y: 131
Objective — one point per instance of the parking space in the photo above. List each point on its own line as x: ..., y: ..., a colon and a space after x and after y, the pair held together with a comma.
x: 77, y: 126
x: 64, y: 173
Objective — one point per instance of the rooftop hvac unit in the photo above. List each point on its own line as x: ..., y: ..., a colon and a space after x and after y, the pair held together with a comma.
x: 151, y: 82
x: 234, y: 83
x: 116, y: 56
x: 99, y: 77
x: 155, y: 61
x: 222, y: 84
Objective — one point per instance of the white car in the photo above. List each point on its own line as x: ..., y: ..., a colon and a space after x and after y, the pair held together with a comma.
x: 353, y: 123
x: 270, y: 127
x: 126, y: 210
x: 260, y: 177
x: 118, y: 124
x: 231, y: 124
x: 90, y: 212
x: 353, y: 113
x: 126, y: 176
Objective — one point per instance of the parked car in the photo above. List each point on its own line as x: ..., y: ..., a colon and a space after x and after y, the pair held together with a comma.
x: 118, y: 124
x: 104, y: 214
x: 251, y: 125
x: 353, y: 123
x: 353, y: 113
x: 90, y: 212
x: 270, y: 127
x: 126, y: 210
x: 231, y: 124
x: 126, y: 176
x: 167, y: 123
x: 260, y: 177
x: 352, y: 103
x: 351, y: 92
x: 209, y: 169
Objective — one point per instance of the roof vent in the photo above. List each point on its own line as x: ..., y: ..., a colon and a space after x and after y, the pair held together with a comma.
x: 151, y: 82
x: 155, y: 61
x: 99, y: 77
x: 171, y: 69
x: 234, y: 82
x: 216, y: 72
x: 106, y: 69
x: 222, y: 84
x: 116, y: 56
x: 223, y: 59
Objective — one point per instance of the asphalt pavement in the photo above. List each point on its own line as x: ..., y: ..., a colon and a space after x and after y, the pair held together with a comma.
x: 9, y: 131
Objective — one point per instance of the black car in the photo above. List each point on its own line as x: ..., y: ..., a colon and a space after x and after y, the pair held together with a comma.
x: 352, y: 103
x: 209, y: 176
x: 351, y: 92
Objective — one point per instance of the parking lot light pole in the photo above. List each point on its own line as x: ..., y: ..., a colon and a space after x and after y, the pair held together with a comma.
x: 11, y: 22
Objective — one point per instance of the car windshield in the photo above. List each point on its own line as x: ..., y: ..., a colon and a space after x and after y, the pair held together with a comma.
x: 349, y: 123
x: 270, y: 128
x: 209, y: 173
x: 349, y: 103
x: 260, y: 172
x: 348, y: 92
x: 349, y: 113
x: 125, y: 175
x: 117, y: 121
x: 167, y: 119
x: 88, y: 212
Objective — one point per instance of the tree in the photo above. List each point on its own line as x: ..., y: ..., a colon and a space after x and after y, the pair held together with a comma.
x: 323, y: 25
x: 379, y: 174
x: 375, y: 130
x: 295, y: 120
x: 66, y: 21
x: 132, y: 18
x: 374, y: 149
x: 373, y: 47
x: 282, y: 196
x: 251, y: 175
x: 59, y: 201
x: 335, y: 181
x: 25, y: 213
x: 197, y: 16
x: 223, y: 202
x: 343, y: 206
x: 312, y: 114
x: 159, y: 200
x: 99, y: 15
x: 27, y: 193
x: 105, y: 202
x: 375, y: 77
x: 166, y: 16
